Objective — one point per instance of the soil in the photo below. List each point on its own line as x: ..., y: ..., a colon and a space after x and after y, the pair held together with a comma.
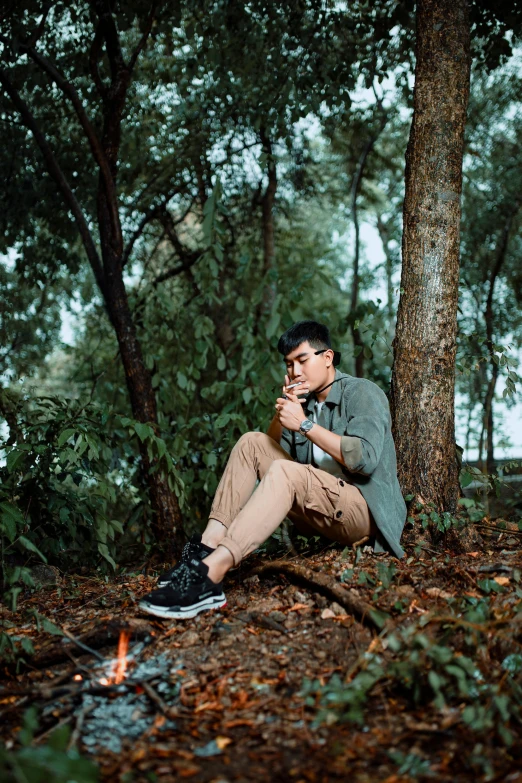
x: 226, y: 701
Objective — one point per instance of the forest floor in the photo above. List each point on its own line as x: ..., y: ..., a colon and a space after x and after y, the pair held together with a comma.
x: 284, y: 684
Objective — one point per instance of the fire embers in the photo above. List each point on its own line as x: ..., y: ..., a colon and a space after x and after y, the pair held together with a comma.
x: 126, y: 712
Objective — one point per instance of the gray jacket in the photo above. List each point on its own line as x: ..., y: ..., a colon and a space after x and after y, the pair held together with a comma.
x: 358, y: 411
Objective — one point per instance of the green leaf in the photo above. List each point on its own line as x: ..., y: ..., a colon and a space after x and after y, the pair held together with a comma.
x: 103, y: 549
x: 31, y: 547
x: 143, y: 431
x: 64, y: 436
x: 48, y: 626
x: 162, y: 447
x: 14, y: 459
x: 272, y: 325
x: 10, y: 518
x: 182, y: 380
x: 466, y: 479
x: 247, y: 395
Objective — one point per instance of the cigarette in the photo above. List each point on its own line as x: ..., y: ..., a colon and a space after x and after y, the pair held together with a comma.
x: 294, y: 384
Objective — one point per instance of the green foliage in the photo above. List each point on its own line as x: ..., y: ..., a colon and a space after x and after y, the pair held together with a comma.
x: 42, y: 763
x: 430, y: 673
x: 67, y: 477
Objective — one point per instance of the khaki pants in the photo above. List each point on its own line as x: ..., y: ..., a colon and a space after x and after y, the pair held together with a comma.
x: 315, y: 501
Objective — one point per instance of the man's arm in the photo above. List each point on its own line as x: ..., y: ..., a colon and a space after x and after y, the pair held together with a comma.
x: 275, y: 429
x: 360, y: 447
x: 327, y: 441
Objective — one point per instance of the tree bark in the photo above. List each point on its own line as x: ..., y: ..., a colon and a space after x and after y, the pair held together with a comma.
x: 167, y: 518
x: 267, y: 206
x: 423, y: 376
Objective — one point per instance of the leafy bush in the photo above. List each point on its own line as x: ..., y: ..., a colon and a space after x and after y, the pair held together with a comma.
x: 50, y: 762
x: 66, y: 480
x: 429, y: 673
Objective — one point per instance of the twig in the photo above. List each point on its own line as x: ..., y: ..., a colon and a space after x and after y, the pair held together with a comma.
x: 75, y: 736
x: 256, y: 618
x: 82, y: 646
x: 498, y: 529
x: 46, y: 733
x: 360, y: 542
x: 156, y: 698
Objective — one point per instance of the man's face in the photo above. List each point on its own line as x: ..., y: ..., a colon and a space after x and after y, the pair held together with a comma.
x: 303, y: 364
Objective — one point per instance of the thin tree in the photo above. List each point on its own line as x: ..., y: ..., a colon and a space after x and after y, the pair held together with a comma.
x: 107, y: 256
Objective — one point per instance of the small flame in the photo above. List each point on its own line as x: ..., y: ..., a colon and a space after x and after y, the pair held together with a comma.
x: 121, y: 662
x: 78, y: 677
x: 104, y: 681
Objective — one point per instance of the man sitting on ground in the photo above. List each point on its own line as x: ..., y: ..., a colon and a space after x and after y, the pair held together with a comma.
x: 327, y: 463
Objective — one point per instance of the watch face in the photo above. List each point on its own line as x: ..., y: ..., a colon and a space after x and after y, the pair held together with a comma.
x: 306, y: 425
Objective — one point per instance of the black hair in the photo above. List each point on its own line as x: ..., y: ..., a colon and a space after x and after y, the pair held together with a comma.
x: 312, y: 332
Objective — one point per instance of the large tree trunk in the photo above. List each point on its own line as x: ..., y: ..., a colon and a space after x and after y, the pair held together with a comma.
x: 423, y: 377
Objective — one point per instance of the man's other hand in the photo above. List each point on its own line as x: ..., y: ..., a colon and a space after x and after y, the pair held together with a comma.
x: 290, y: 411
x: 299, y: 392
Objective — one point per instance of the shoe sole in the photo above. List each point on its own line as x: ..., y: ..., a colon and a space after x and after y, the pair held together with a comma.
x: 179, y: 613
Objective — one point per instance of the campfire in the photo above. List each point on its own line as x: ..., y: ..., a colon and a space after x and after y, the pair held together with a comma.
x: 116, y: 699
x: 119, y: 665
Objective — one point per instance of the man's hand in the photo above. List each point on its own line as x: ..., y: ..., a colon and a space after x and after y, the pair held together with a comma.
x: 289, y: 411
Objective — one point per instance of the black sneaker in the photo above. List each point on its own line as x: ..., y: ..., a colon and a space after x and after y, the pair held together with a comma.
x: 189, y: 593
x: 194, y: 548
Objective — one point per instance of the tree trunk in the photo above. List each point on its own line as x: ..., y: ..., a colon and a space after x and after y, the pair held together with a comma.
x: 384, y: 234
x: 167, y: 518
x: 267, y: 206
x: 358, y: 342
x: 423, y: 376
x: 500, y: 256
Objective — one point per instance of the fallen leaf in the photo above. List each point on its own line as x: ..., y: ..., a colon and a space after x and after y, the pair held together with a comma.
x: 438, y: 592
x: 473, y: 554
x: 222, y: 742
x: 502, y: 580
x: 296, y: 607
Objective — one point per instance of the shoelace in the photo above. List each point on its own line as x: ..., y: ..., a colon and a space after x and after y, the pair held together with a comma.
x: 189, y: 551
x: 185, y: 576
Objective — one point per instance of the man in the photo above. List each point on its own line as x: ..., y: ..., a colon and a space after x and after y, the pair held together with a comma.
x: 327, y: 462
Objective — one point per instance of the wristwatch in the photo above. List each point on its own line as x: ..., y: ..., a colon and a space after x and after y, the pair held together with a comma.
x: 306, y: 426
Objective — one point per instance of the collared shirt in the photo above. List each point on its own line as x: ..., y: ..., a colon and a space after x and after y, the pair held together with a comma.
x: 357, y: 410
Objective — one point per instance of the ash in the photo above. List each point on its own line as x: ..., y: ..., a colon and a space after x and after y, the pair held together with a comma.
x: 114, y: 719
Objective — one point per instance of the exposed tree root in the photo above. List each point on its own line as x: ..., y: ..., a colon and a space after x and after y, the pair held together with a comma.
x: 327, y: 586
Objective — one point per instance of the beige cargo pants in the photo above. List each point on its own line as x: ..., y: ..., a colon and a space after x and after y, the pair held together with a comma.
x: 315, y: 501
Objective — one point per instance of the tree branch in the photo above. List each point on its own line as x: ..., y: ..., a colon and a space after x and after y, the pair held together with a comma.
x: 151, y: 213
x: 144, y: 38
x: 112, y: 39
x: 94, y: 56
x: 59, y: 177
x: 177, y: 270
x: 69, y: 90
